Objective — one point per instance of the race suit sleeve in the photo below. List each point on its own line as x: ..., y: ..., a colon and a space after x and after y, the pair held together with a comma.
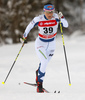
x: 33, y: 23
x: 64, y: 22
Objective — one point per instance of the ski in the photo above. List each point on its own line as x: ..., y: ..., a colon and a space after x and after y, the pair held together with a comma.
x: 31, y: 84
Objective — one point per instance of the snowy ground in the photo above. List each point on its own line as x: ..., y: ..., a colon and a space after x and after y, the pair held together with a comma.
x: 56, y: 74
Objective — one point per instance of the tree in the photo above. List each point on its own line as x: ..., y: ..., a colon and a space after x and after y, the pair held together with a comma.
x: 81, y: 14
x: 58, y: 4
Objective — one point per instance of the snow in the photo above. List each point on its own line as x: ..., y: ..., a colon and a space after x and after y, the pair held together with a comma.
x: 56, y: 74
x: 77, y: 34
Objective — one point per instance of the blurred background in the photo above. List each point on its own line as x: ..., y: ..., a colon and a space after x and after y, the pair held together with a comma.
x: 15, y: 15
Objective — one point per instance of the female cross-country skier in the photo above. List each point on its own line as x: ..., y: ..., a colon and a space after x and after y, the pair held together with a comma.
x: 45, y: 43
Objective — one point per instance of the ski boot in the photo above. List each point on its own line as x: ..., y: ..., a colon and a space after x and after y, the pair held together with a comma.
x: 40, y: 87
x: 36, y: 76
x: 39, y: 84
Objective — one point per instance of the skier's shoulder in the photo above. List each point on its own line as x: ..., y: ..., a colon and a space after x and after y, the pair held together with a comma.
x: 38, y: 18
x: 41, y: 16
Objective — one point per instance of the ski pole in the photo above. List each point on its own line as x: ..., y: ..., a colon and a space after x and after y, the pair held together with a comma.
x: 13, y: 64
x: 65, y: 54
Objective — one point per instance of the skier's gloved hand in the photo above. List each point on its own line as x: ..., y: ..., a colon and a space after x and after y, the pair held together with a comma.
x: 60, y: 15
x: 23, y: 40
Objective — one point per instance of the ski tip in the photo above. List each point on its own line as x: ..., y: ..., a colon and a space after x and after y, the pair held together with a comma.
x: 3, y: 83
x: 56, y: 92
x: 69, y: 84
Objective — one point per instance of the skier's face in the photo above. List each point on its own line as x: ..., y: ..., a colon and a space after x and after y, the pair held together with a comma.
x: 48, y: 15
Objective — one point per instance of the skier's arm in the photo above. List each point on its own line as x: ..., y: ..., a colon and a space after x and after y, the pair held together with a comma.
x: 28, y: 29
x: 30, y: 26
x: 63, y: 20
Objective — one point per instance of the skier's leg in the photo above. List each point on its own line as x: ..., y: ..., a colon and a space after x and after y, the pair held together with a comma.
x: 40, y: 73
x: 42, y: 66
x: 40, y: 48
x: 44, y: 52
